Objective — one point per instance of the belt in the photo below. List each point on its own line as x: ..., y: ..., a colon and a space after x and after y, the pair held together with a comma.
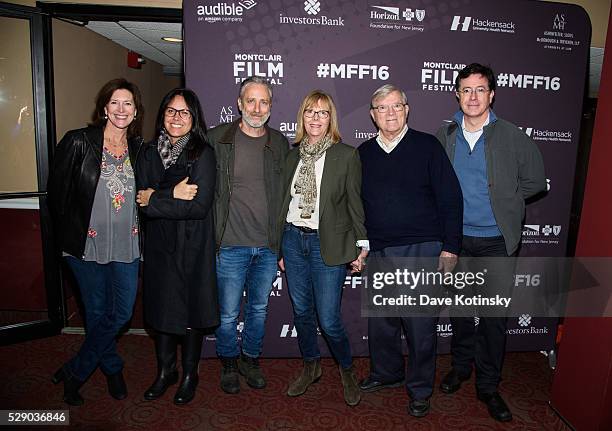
x: 304, y: 229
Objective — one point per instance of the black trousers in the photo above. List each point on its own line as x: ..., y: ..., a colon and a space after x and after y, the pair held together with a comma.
x: 384, y: 337
x: 386, y: 358
x: 483, y: 345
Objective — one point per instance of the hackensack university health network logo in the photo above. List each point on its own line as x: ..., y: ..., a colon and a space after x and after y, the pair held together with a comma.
x: 393, y: 18
x: 462, y: 23
x: 312, y: 8
x: 224, y: 12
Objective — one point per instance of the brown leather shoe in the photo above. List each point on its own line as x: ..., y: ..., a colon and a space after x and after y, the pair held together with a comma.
x: 310, y: 374
x: 352, y: 394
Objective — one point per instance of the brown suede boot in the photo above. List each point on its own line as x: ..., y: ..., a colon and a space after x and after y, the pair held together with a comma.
x: 310, y: 374
x: 352, y: 394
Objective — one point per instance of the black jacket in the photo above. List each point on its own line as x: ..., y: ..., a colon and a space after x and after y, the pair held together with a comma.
x: 276, y: 149
x: 73, y: 179
x: 179, y: 250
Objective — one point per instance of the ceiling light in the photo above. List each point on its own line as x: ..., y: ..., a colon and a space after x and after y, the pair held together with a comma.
x: 172, y: 39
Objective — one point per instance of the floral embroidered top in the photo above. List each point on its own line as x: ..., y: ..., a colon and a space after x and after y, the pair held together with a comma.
x: 113, y: 227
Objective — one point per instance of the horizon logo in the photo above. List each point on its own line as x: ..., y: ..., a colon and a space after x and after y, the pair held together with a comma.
x: 288, y: 331
x: 312, y: 7
x: 389, y: 13
x: 465, y: 25
x: 531, y: 230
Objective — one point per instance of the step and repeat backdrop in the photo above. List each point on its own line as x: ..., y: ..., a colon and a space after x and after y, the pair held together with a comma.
x: 538, y: 50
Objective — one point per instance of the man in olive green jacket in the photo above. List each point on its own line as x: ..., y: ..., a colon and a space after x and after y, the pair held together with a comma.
x: 250, y: 158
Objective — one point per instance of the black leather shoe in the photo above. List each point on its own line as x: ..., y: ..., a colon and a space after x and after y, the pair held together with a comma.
x: 370, y: 385
x: 452, y: 381
x: 116, y: 386
x: 186, y: 390
x: 418, y: 408
x: 496, y: 406
x: 164, y: 379
x: 71, y: 387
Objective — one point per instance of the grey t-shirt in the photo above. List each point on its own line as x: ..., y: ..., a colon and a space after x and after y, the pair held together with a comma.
x: 248, y: 213
x: 113, y: 227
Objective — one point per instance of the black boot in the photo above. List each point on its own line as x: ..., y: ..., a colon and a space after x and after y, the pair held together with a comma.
x: 116, y: 386
x: 71, y: 386
x: 165, y: 350
x: 192, y: 350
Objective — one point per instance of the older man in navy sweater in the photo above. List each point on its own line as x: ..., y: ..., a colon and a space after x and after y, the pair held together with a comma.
x: 413, y: 207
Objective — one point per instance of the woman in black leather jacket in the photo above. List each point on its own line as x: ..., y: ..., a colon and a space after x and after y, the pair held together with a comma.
x: 92, y: 192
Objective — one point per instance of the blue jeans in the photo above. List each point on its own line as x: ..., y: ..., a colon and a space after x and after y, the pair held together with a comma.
x: 108, y: 292
x: 238, y: 269
x: 315, y: 287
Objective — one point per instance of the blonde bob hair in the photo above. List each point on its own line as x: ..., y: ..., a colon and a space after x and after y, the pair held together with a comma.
x: 311, y: 100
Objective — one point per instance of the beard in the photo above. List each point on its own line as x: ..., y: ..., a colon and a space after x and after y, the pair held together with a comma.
x: 255, y: 122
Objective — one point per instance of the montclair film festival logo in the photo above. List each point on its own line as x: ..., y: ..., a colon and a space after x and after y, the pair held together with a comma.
x: 268, y: 66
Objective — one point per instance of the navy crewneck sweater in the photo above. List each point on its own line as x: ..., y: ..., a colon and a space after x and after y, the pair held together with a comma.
x: 410, y: 195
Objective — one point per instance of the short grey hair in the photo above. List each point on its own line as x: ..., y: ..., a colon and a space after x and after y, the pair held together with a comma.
x: 384, y: 91
x: 255, y: 80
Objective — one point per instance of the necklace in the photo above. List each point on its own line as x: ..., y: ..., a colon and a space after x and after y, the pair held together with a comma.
x: 116, y: 149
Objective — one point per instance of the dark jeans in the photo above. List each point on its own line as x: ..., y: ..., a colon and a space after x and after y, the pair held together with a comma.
x: 384, y: 337
x: 484, y: 344
x: 315, y: 287
x: 108, y: 292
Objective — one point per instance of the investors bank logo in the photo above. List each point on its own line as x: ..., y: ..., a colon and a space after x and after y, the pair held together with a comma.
x: 467, y: 23
x: 312, y: 9
x: 224, y: 11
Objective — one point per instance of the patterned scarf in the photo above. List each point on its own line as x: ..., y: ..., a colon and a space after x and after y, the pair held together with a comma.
x: 306, y: 182
x: 167, y: 152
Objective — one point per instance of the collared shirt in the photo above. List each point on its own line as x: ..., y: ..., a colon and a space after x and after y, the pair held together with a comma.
x: 473, y: 137
x: 391, y: 145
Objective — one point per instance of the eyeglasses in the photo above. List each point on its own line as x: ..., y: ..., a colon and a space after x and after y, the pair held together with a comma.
x: 383, y: 109
x: 310, y: 113
x: 468, y: 91
x: 183, y: 113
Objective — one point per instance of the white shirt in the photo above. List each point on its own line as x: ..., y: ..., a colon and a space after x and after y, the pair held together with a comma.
x: 473, y: 137
x: 387, y: 148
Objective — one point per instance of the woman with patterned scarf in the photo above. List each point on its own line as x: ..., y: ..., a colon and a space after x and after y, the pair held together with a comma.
x: 176, y: 182
x: 323, y: 222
